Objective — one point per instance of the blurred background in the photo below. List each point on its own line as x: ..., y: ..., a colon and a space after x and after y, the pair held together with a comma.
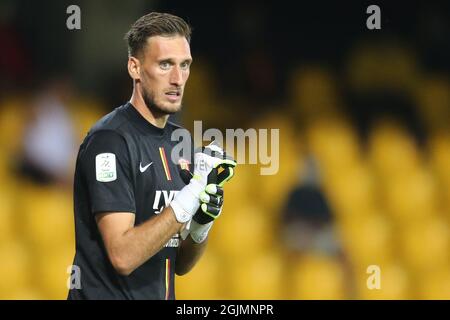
x: 364, y: 176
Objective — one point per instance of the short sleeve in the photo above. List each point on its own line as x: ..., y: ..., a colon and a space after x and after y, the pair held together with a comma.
x: 107, y: 170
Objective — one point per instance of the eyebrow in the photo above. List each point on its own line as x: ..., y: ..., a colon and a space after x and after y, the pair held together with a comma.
x: 172, y: 61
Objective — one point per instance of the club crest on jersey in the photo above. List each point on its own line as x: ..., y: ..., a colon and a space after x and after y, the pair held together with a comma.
x: 184, y: 164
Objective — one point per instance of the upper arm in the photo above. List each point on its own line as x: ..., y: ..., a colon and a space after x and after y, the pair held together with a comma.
x: 107, y: 169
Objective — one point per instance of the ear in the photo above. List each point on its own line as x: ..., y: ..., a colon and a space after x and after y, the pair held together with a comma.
x: 134, y: 68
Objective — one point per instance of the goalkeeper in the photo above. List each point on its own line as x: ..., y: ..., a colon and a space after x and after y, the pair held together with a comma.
x: 139, y: 218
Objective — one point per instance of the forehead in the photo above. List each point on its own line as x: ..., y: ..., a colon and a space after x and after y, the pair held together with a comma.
x: 173, y: 47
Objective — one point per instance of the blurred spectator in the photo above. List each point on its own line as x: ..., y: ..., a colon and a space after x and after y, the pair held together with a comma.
x: 309, y: 230
x: 49, y: 144
x: 308, y: 221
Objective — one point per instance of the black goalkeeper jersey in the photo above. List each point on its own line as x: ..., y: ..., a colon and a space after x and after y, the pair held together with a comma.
x: 124, y: 165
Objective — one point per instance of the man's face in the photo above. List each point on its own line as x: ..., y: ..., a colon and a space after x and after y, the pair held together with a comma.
x: 164, y: 72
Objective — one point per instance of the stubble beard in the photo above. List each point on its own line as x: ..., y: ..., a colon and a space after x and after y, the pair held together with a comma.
x: 149, y: 99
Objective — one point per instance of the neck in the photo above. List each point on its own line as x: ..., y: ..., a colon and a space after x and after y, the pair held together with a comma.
x: 158, y: 120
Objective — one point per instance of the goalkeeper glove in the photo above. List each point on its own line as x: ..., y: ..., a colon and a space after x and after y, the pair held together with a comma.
x: 211, y: 200
x: 210, y: 209
x: 207, y: 162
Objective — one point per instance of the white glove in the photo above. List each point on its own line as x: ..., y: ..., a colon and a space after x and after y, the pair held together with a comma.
x: 187, y: 201
x: 211, y: 207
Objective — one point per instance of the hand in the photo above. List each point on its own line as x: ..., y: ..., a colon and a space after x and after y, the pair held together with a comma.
x: 207, y: 162
x: 210, y: 209
x: 211, y: 204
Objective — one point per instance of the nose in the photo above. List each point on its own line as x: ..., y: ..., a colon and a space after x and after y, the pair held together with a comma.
x: 176, y: 77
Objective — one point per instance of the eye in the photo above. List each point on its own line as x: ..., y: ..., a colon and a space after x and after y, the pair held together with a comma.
x: 185, y: 65
x: 164, y: 65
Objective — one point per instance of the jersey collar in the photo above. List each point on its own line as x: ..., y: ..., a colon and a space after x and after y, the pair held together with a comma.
x: 141, y: 122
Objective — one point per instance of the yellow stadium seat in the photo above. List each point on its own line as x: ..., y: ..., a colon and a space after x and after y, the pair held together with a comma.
x: 15, y: 268
x: 239, y: 189
x: 313, y: 92
x: 13, y: 118
x: 274, y: 187
x: 440, y: 159
x: 260, y: 277
x: 433, y: 100
x: 85, y: 113
x: 52, y: 272
x: 411, y: 197
x: 367, y: 239
x: 334, y: 143
x: 393, y: 152
x: 7, y: 216
x: 26, y: 293
x: 394, y: 283
x: 435, y: 285
x: 425, y: 244
x: 5, y: 168
x: 395, y: 69
x: 204, y: 282
x: 351, y: 191
x: 317, y: 277
x: 48, y: 217
x: 243, y: 232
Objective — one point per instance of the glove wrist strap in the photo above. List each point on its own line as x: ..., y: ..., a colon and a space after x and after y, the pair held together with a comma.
x: 199, y: 232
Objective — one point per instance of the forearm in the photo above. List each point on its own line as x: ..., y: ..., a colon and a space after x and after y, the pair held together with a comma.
x: 188, y: 255
x: 140, y: 243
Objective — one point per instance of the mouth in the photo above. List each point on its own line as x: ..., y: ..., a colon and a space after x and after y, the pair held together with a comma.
x: 173, y: 95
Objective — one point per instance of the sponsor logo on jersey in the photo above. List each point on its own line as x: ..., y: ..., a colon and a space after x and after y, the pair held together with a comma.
x: 174, y: 242
x: 162, y: 199
x: 143, y: 168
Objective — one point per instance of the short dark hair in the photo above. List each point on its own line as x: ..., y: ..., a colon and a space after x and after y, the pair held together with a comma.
x: 155, y: 24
